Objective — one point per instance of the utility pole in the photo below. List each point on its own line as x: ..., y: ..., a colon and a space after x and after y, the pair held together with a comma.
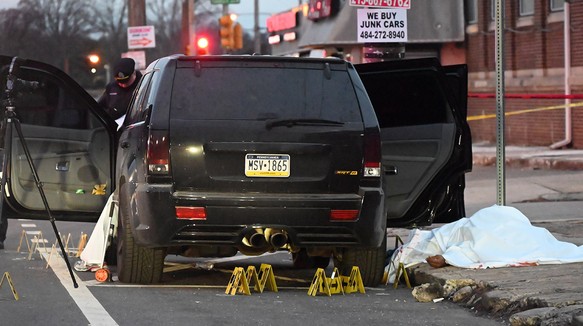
x: 136, y: 12
x: 137, y: 16
x: 188, y: 43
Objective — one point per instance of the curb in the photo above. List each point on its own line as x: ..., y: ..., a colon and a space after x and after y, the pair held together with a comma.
x: 515, y: 306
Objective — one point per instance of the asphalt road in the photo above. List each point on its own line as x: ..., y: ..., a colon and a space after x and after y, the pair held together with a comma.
x: 196, y: 295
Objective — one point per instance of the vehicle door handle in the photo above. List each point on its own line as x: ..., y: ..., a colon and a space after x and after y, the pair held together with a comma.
x: 391, y: 170
x: 125, y: 144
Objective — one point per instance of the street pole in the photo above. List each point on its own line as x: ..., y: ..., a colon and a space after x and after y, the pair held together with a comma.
x: 136, y: 12
x: 500, y: 146
x: 257, y: 36
x: 189, y: 45
x: 137, y: 16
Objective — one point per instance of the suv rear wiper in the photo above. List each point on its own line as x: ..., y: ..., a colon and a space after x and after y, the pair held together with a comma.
x: 304, y: 122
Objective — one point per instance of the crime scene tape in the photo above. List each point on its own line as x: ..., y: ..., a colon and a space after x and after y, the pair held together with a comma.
x: 529, y: 96
x: 546, y: 108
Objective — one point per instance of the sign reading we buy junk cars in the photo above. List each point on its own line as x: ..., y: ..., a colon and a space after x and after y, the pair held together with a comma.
x: 382, y: 25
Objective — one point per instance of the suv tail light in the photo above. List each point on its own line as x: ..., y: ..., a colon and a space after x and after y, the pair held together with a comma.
x: 372, y: 154
x: 190, y: 213
x: 158, y: 156
x: 344, y: 215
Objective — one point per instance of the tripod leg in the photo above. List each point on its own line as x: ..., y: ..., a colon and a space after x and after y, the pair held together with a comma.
x: 4, y: 156
x: 39, y: 185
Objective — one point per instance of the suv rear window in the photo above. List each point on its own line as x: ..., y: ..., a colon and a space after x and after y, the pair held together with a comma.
x: 263, y: 93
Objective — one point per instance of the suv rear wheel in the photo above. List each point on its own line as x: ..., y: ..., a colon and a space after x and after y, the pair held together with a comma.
x: 135, y: 264
x: 370, y: 262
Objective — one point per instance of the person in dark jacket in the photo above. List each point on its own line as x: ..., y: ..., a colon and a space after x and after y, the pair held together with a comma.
x: 117, y: 95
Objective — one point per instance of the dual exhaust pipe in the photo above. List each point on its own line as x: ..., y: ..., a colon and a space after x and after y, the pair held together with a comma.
x: 262, y: 238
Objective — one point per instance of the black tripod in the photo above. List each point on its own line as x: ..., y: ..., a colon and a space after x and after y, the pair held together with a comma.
x: 11, y: 120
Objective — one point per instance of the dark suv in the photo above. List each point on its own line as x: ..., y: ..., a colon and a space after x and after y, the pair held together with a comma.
x: 251, y: 154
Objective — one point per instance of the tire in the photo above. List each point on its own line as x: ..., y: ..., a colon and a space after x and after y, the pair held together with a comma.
x: 370, y: 262
x: 302, y: 260
x: 135, y: 264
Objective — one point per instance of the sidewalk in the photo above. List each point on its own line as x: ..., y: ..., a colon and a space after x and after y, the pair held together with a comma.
x: 535, y: 295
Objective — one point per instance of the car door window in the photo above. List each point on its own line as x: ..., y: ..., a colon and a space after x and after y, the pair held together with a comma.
x: 408, y: 99
x: 137, y: 111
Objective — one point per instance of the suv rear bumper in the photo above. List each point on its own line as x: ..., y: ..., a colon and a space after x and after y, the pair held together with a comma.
x: 230, y: 216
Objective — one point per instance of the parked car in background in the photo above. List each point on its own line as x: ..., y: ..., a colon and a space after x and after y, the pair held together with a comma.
x: 225, y: 154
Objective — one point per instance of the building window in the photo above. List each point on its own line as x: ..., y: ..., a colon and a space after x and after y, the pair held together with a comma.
x: 557, y: 5
x: 526, y: 7
x: 471, y: 12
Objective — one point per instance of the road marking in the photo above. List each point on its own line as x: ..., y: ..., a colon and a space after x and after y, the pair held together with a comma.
x: 28, y: 225
x: 90, y: 307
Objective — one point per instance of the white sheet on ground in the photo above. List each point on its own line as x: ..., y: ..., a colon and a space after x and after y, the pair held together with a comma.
x: 94, y: 251
x: 497, y: 236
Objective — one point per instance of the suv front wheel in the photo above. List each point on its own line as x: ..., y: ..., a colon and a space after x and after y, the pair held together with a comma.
x: 135, y: 264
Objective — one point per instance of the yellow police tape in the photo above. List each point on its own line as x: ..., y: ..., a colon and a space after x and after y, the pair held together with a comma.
x: 546, y: 108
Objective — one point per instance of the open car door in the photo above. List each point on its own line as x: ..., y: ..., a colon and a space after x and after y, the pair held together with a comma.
x: 69, y: 138
x: 426, y: 141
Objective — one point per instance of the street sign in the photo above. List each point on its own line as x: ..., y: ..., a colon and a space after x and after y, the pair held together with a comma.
x: 382, y: 25
x: 141, y: 37
x: 225, y: 2
x: 400, y: 4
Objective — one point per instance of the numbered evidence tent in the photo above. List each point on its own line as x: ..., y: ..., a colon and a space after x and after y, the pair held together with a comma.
x: 430, y: 23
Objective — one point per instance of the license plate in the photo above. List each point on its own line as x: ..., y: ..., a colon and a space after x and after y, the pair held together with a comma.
x: 267, y: 165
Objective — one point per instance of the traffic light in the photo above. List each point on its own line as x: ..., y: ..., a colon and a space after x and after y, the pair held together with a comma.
x: 202, y: 45
x: 226, y: 31
x: 237, y: 37
x: 93, y: 62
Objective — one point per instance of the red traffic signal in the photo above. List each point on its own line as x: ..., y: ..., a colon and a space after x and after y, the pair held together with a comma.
x: 202, y: 45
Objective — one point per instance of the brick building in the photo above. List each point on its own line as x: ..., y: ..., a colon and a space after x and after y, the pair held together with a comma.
x: 534, y: 64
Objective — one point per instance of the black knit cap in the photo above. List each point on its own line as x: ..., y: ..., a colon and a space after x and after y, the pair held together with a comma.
x: 124, y: 69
